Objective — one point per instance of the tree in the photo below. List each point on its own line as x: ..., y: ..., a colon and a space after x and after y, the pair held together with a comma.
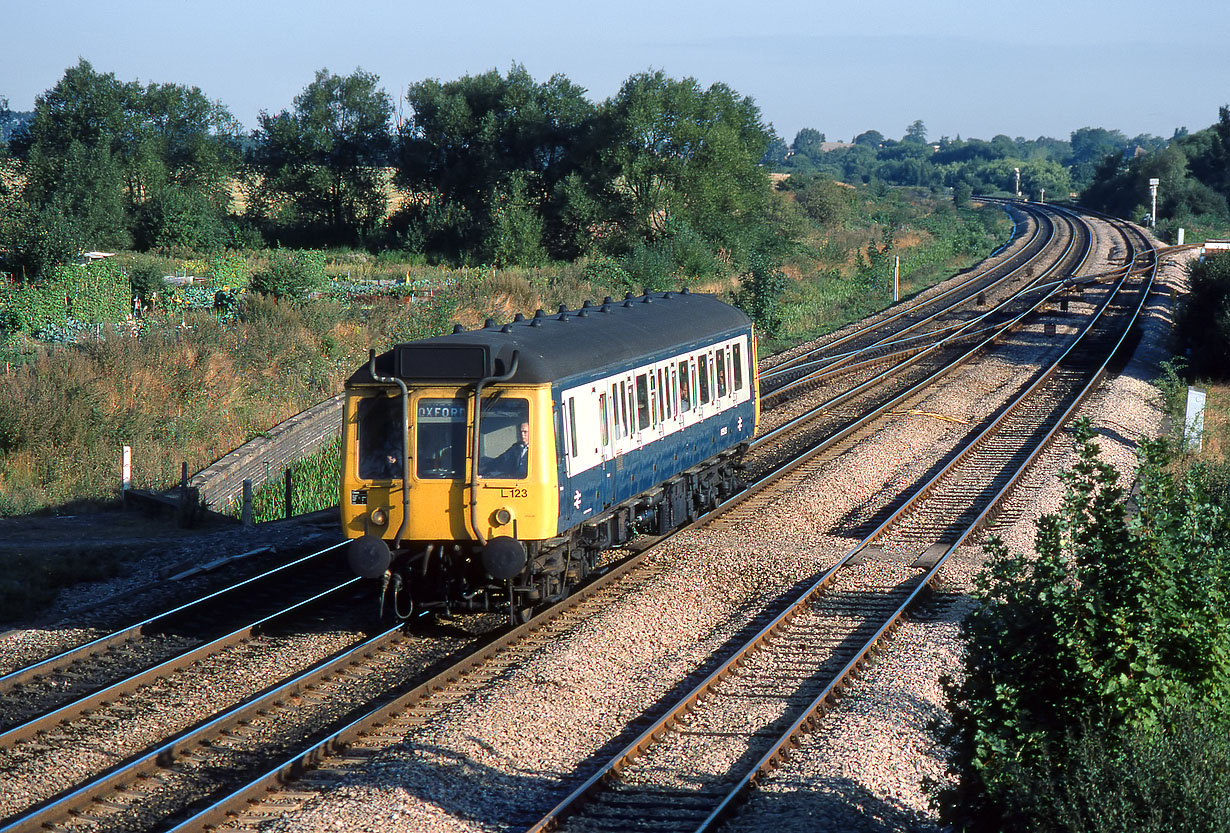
x: 326, y: 156
x: 107, y: 158
x: 870, y: 138
x: 1113, y: 625
x: 807, y: 143
x: 916, y: 133
x: 1091, y: 145
x: 684, y: 159
x: 465, y: 143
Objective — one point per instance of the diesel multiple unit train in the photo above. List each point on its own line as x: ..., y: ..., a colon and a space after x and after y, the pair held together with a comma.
x: 491, y: 467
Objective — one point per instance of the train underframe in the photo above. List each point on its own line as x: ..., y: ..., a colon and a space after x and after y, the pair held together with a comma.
x: 455, y: 577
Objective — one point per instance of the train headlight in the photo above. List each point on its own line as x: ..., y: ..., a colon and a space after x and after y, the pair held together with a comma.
x: 380, y: 516
x: 502, y: 516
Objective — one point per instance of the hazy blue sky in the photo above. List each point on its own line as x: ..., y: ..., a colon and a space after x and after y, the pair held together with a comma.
x: 974, y: 68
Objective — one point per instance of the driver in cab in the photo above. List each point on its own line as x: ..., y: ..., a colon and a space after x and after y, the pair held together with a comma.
x: 515, y: 461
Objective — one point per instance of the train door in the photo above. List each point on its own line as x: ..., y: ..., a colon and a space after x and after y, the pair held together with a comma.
x: 584, y: 456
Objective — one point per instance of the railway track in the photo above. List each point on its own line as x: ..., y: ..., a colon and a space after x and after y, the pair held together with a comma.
x: 690, y: 767
x: 928, y: 318
x: 187, y: 754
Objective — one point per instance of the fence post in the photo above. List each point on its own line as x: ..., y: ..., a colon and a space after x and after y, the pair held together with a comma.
x: 126, y: 475
x: 246, y: 517
x: 289, y: 504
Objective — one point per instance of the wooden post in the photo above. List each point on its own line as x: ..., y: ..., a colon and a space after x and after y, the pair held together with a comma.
x: 289, y: 504
x: 246, y: 515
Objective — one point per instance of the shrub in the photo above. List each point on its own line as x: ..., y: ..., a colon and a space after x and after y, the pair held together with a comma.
x: 291, y: 274
x: 230, y: 269
x: 1114, y: 625
x: 1204, y: 319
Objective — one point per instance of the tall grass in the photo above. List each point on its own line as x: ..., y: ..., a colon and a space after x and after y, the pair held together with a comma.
x: 314, y: 486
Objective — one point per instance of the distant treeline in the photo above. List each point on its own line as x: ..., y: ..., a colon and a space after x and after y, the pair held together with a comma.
x: 1104, y: 168
x: 494, y: 168
x: 497, y: 168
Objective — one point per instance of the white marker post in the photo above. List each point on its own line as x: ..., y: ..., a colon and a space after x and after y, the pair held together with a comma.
x: 126, y: 474
x: 1153, y: 183
x: 896, y: 278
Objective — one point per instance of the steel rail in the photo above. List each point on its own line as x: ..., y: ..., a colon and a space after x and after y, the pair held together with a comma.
x: 131, y: 632
x: 810, y: 378
x: 807, y: 715
x: 106, y: 695
x: 337, y: 742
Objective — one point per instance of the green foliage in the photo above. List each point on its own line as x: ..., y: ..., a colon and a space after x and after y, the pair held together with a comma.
x: 1115, y: 623
x: 313, y: 479
x: 1171, y: 777
x: 291, y: 274
x: 230, y: 269
x: 145, y: 276
x: 517, y: 228
x: 326, y: 157
x: 1204, y: 318
x: 760, y: 294
x: 1172, y: 386
x: 93, y: 293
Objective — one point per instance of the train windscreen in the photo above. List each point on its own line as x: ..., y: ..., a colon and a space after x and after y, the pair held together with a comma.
x: 504, y: 444
x: 381, y: 436
x: 441, y: 427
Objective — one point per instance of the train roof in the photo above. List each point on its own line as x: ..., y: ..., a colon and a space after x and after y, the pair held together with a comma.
x: 564, y: 344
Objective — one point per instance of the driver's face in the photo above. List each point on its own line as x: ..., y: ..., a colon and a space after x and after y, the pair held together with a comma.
x: 525, y: 433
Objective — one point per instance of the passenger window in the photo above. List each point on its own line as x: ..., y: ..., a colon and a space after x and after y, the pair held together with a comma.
x: 719, y: 361
x: 623, y: 406
x: 734, y: 354
x: 602, y: 419
x: 664, y: 378
x: 572, y: 423
x: 642, y: 402
x: 685, y: 403
x: 702, y: 371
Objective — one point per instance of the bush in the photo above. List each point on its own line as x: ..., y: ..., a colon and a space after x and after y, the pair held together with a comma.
x: 1113, y: 626
x: 291, y: 274
x: 1204, y: 319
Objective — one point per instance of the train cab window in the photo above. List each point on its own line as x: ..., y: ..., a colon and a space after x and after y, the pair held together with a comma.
x: 642, y: 402
x: 603, y: 422
x: 734, y: 355
x: 685, y: 401
x: 702, y: 372
x: 504, y: 445
x: 381, y: 438
x: 719, y: 361
x: 440, y: 425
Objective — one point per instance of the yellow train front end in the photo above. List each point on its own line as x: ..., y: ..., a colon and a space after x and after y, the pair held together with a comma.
x: 444, y: 520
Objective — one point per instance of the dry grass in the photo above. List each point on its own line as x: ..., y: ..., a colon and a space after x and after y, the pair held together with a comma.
x: 174, y: 395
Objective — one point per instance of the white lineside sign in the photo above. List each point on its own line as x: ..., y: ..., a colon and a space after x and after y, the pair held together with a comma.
x: 1193, y: 423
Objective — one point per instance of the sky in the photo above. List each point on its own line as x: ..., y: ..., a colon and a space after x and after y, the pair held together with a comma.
x: 968, y: 68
